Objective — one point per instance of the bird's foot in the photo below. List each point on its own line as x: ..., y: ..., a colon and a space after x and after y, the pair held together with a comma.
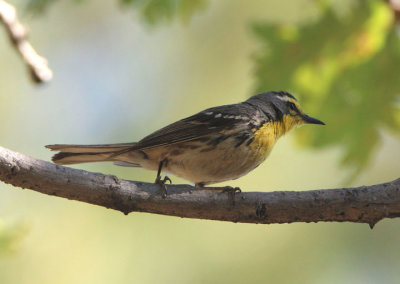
x: 228, y: 189
x: 232, y: 190
x: 162, y: 183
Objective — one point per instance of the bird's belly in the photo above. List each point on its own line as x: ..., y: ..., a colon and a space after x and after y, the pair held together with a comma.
x: 214, y: 164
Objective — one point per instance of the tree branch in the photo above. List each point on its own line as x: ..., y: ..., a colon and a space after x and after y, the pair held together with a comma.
x: 366, y: 204
x: 37, y: 64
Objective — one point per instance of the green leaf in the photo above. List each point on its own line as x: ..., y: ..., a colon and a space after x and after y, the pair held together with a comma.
x: 155, y: 12
x: 152, y: 12
x: 39, y: 6
x: 346, y: 72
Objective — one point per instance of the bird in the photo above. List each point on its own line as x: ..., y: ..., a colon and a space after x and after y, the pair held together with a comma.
x: 215, y: 145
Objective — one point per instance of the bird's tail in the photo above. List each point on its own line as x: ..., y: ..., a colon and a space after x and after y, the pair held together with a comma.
x: 76, y: 154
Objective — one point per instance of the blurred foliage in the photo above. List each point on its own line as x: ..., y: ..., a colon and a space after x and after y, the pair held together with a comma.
x: 39, y: 6
x: 10, y: 237
x: 153, y: 12
x: 345, y: 71
x: 164, y: 11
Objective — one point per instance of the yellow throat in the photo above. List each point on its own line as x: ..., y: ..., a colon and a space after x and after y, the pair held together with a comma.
x: 266, y: 136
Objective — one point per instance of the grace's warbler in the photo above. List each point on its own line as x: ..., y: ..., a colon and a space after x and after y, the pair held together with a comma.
x: 217, y: 144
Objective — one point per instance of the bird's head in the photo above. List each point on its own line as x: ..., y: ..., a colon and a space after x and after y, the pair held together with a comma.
x: 283, y: 108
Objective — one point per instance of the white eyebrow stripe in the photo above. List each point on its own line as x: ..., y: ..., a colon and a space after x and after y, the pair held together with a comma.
x: 285, y: 99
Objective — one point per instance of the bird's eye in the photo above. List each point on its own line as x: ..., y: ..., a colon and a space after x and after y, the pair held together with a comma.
x: 292, y: 106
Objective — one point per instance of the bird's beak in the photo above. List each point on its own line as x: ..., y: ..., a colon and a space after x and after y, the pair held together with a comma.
x: 311, y: 120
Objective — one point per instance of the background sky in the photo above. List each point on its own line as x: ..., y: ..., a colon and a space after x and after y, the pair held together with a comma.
x: 117, y: 78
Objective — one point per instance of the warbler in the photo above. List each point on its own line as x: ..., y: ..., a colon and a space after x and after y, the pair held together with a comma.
x: 217, y: 144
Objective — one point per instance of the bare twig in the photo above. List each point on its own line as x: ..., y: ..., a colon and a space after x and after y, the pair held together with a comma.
x: 366, y: 204
x: 17, y: 32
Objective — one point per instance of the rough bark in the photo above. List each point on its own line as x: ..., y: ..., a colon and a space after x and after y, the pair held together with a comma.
x: 365, y: 204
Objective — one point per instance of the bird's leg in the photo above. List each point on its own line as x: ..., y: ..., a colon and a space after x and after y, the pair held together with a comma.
x: 228, y: 189
x: 162, y: 182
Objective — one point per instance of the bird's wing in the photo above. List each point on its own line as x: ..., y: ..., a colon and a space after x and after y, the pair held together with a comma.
x: 223, y: 119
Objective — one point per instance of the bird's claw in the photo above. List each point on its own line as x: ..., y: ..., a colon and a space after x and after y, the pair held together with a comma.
x: 166, y: 178
x: 232, y: 190
x: 162, y: 183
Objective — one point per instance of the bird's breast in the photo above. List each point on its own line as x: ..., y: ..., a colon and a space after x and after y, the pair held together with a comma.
x: 265, y: 138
